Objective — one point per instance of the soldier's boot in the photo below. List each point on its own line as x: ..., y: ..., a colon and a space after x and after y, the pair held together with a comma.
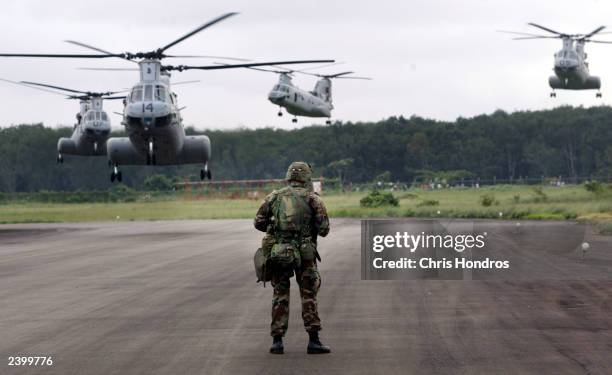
x: 314, y: 344
x: 277, y: 345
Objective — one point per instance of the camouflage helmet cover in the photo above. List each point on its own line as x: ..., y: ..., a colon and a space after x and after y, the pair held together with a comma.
x: 299, y: 171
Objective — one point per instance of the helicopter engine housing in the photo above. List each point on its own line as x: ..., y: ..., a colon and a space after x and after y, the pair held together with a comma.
x: 121, y: 151
x: 66, y: 146
x: 195, y: 150
x: 591, y: 83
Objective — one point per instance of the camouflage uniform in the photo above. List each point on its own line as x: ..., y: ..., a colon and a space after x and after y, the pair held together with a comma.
x: 306, y: 273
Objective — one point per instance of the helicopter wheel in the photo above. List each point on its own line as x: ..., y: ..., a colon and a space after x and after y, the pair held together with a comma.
x: 294, y: 120
x: 553, y: 94
x: 115, y: 174
x: 205, y: 173
x: 598, y: 95
x: 280, y: 114
x: 328, y: 122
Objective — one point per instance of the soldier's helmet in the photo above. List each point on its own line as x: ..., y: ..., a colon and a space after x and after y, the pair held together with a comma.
x: 299, y: 171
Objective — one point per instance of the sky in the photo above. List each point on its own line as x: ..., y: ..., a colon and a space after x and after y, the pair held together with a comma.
x: 438, y: 59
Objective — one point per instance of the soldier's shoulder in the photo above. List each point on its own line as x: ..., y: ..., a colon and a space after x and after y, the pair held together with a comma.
x: 314, y: 197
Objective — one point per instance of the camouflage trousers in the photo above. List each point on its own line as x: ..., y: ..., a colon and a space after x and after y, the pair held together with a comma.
x: 309, y: 281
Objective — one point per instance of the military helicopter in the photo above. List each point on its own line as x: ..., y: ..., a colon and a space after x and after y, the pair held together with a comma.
x: 151, y: 115
x: 92, y: 128
x: 298, y: 102
x: 571, y: 69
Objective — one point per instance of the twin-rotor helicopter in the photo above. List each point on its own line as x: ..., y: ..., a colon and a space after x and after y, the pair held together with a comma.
x: 92, y: 127
x: 570, y: 67
x: 151, y: 115
x: 299, y: 102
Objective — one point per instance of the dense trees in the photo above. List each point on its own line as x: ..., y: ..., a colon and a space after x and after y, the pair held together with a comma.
x: 565, y: 141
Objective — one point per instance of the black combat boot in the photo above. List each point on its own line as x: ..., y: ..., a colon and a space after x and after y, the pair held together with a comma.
x: 314, y: 344
x: 277, y: 345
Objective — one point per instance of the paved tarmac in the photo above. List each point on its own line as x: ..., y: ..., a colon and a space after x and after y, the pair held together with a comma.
x: 180, y: 297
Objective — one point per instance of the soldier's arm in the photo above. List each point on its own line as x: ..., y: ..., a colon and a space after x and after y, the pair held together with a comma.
x: 264, y: 213
x: 321, y: 220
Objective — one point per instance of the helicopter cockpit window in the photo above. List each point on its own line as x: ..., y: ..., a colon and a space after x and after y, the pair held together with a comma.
x: 148, y: 93
x: 136, y: 94
x: 160, y: 93
x: 104, y: 117
x: 91, y: 116
x: 98, y: 116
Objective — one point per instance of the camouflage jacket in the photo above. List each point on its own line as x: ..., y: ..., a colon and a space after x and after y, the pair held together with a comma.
x: 320, y: 224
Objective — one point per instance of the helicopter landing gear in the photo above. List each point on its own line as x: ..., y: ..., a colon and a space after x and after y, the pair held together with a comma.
x: 280, y: 112
x: 205, y: 173
x: 95, y: 147
x: 116, y: 174
x: 294, y: 120
x: 553, y: 94
x: 60, y: 159
x: 151, y: 154
x: 598, y: 95
x: 328, y: 122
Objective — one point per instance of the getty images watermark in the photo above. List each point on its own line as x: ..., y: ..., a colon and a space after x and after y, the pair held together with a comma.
x: 473, y: 250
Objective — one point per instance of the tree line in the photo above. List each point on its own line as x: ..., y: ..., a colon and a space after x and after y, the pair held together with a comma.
x: 565, y: 141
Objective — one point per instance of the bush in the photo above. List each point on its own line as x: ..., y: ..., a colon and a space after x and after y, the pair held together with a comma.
x: 488, y: 200
x: 428, y: 202
x: 593, y: 187
x: 378, y: 199
x: 158, y: 182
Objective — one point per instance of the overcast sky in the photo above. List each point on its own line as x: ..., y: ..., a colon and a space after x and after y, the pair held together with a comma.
x: 438, y: 59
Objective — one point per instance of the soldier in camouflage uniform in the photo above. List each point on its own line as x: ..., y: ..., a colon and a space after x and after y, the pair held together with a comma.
x: 292, y: 218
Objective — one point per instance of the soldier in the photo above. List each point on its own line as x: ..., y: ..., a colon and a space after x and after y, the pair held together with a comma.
x: 293, y: 217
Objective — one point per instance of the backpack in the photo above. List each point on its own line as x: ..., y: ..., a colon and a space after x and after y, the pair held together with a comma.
x: 292, y: 217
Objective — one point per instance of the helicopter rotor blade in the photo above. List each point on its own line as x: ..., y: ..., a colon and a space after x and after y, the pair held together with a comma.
x: 288, y: 71
x: 248, y: 65
x: 337, y: 75
x: 546, y: 29
x: 184, y: 82
x: 95, y: 48
x: 523, y: 34
x: 209, y: 57
x: 260, y: 69
x: 54, y: 87
x: 596, y: 31
x: 355, y: 77
x: 535, y: 37
x: 320, y: 66
x: 111, y: 69
x: 33, y: 87
x: 204, y: 26
x: 51, y: 55
x: 598, y: 41
x: 113, y: 97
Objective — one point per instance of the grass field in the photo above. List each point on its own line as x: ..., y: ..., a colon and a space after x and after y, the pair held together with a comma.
x: 506, y: 202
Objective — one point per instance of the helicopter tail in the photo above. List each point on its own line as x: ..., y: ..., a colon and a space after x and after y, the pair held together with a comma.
x: 323, y: 89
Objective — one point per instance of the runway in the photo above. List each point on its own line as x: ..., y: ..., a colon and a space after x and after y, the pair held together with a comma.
x: 179, y: 297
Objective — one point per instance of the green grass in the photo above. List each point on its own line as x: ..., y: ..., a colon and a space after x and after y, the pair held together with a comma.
x: 513, y: 202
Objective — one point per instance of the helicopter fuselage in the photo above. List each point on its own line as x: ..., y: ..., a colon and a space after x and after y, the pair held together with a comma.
x: 90, y: 133
x: 153, y: 122
x: 299, y: 102
x: 571, y: 69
